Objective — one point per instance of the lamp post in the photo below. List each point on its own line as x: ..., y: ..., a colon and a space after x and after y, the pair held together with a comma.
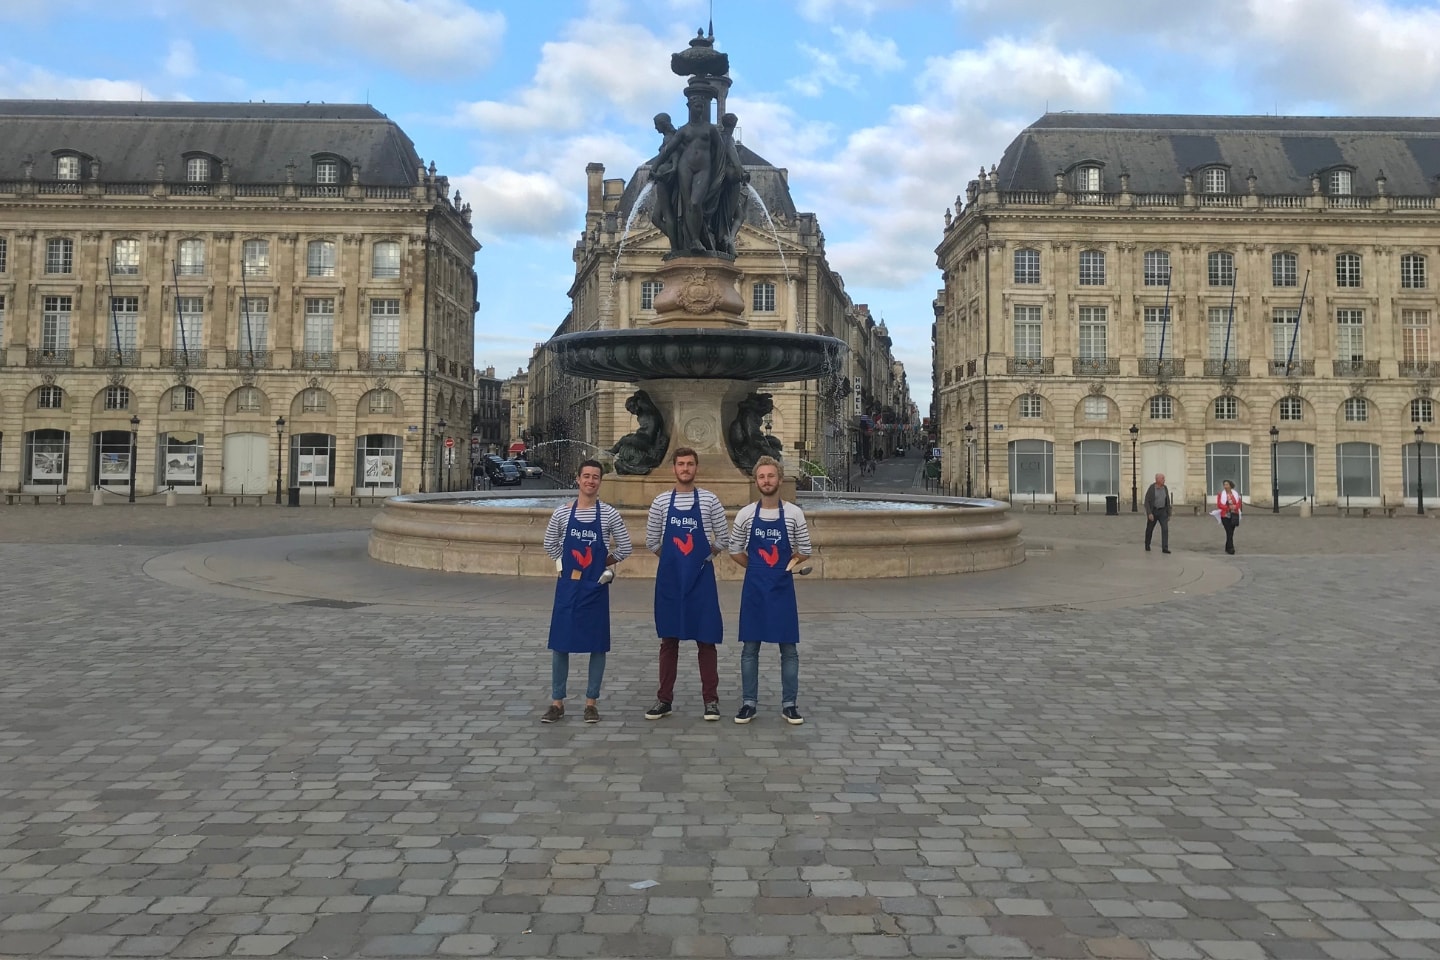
x: 439, y: 445
x: 279, y: 456
x: 969, y: 456
x: 1274, y: 469
x: 1134, y: 476
x: 1419, y: 470
x: 134, y: 448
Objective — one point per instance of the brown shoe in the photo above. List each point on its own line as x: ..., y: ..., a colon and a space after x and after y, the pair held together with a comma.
x: 553, y: 713
x: 592, y: 714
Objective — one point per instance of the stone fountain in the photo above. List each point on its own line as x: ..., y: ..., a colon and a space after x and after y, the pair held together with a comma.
x: 698, y: 371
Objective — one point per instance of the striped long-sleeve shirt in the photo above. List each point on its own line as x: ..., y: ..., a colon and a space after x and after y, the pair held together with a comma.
x: 795, y: 528
x: 717, y: 528
x: 612, y: 528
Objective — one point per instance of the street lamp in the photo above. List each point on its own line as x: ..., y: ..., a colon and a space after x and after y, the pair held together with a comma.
x: 134, y: 447
x: 279, y: 455
x: 1134, y: 479
x: 440, y: 432
x: 1274, y: 470
x: 969, y: 455
x: 1419, y: 471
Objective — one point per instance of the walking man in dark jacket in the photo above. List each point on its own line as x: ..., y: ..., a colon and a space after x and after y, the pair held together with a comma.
x: 1157, y: 510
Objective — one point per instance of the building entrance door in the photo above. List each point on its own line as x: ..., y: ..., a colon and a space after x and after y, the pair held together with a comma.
x: 246, y: 464
x: 1167, y: 457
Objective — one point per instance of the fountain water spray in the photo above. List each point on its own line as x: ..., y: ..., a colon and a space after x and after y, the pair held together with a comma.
x: 755, y: 195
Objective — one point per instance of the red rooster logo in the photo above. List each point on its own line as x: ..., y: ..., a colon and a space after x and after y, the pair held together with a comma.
x: 772, y: 556
x: 685, y: 545
x: 584, y: 558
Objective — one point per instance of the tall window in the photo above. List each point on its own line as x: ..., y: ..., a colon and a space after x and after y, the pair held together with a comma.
x: 762, y: 297
x: 1291, y: 408
x: 191, y: 262
x: 1097, y: 468
x: 1092, y: 333
x: 59, y: 255
x: 1031, y: 407
x: 190, y: 326
x: 1412, y: 271
x: 1220, y: 269
x: 1285, y: 270
x: 1227, y: 408
x: 197, y: 170
x: 327, y: 171
x: 385, y: 327
x: 1347, y: 270
x: 320, y: 258
x: 182, y: 399
x: 1214, y: 180
x: 1087, y: 179
x: 1027, y: 265
x: 319, y: 324
x: 1228, y: 460
x: 385, y: 260
x: 254, y: 324
x: 1422, y: 410
x: 1415, y: 336
x: 2, y: 322
x: 117, y: 398
x: 1284, y: 331
x: 1095, y: 408
x: 67, y: 168
x: 649, y: 290
x: 1221, y: 331
x: 1157, y: 268
x: 122, y: 324
x: 1356, y: 410
x: 247, y: 400
x: 1340, y: 183
x: 1158, y: 335
x: 256, y: 258
x: 50, y: 398
x: 1357, y: 470
x: 4, y: 254
x: 55, y: 323
x: 1162, y: 408
x: 313, y: 400
x: 1350, y: 335
x: 1032, y: 467
x: 125, y: 258
x: 1028, y: 344
x: 1092, y: 268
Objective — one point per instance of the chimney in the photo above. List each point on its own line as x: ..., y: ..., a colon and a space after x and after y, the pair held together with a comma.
x: 594, y: 193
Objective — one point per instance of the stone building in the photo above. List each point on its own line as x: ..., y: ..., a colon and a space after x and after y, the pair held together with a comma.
x: 488, y: 432
x: 219, y: 287
x: 786, y: 284
x: 1244, y: 298
x: 515, y: 431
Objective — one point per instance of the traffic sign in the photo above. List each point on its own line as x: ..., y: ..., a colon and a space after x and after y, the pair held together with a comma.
x: 449, y: 442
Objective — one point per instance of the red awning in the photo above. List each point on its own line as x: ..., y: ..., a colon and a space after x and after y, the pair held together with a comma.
x: 517, y: 447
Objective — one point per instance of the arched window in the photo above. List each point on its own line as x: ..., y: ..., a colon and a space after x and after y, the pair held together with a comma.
x: 1291, y: 408
x: 1412, y: 271
x: 117, y: 398
x: 50, y: 398
x: 1227, y: 408
x: 1092, y: 268
x: 248, y: 400
x: 1087, y: 179
x: 1356, y: 410
x: 1031, y: 407
x: 1162, y: 408
x: 1095, y: 408
x: 382, y: 401
x: 1027, y: 265
x: 327, y: 171
x: 1347, y: 270
x: 1422, y: 410
x: 1220, y: 269
x: 182, y: 399
x: 1214, y: 180
x: 197, y: 170
x: 1284, y: 270
x: 314, y: 400
x: 385, y: 260
x: 1340, y: 183
x: 320, y: 258
x: 67, y: 167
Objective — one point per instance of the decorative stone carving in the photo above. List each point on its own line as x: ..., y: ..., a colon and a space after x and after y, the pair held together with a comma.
x: 247, y: 379
x: 746, y: 438
x: 1357, y: 389
x: 699, y: 293
x: 182, y: 378
x: 700, y: 432
x: 116, y: 379
x: 382, y: 383
x: 1097, y: 389
x: 1292, y: 390
x: 636, y: 454
x: 1032, y: 388
x: 48, y: 379
x: 1227, y: 387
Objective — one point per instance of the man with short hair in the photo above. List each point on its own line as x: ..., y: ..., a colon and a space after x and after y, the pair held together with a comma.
x: 771, y: 540
x: 585, y: 538
x: 1157, y: 511
x: 685, y: 529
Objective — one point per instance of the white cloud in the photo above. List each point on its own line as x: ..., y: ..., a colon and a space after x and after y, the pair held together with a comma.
x: 23, y: 81
x: 180, y: 61
x: 880, y: 54
x: 512, y: 202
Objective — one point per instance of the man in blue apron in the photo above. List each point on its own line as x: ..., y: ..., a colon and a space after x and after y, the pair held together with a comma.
x: 686, y: 528
x: 585, y: 538
x: 770, y: 540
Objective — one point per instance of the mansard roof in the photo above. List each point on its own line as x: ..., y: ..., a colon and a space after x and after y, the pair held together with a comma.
x: 258, y: 140
x: 1158, y: 150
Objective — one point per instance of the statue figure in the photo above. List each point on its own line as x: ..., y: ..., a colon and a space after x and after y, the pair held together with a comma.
x: 746, y: 437
x: 730, y: 214
x: 662, y: 210
x: 642, y: 451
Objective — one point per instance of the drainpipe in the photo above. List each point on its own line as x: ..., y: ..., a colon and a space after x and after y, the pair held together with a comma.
x: 985, y: 363
x: 425, y: 347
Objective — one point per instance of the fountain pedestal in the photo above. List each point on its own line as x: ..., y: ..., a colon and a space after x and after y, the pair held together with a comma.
x: 698, y: 292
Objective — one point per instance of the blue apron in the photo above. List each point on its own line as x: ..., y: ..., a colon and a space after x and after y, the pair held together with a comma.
x: 580, y: 622
x: 687, y: 603
x: 768, y: 612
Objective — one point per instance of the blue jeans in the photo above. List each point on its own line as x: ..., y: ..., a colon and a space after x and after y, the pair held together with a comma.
x: 560, y: 671
x: 789, y: 673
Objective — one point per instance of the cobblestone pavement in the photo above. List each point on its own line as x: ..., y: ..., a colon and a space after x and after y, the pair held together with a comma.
x: 209, y: 767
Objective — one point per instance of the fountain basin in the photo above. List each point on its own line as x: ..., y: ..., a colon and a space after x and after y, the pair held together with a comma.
x: 697, y: 353
x: 857, y: 536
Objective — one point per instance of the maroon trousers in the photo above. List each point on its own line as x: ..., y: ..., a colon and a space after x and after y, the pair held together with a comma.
x: 709, y: 670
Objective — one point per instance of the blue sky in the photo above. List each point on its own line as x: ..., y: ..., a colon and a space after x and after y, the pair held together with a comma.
x: 881, y: 109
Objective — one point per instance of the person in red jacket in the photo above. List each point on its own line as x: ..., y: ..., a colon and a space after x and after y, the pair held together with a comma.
x: 1228, y: 503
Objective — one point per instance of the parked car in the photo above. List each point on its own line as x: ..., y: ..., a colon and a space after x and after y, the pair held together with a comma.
x: 527, y: 470
x: 505, y: 474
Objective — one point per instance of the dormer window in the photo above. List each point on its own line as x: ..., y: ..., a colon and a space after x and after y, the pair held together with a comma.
x: 1087, y: 178
x: 67, y: 167
x: 1214, y: 180
x: 197, y: 170
x: 327, y: 171
x: 1340, y: 183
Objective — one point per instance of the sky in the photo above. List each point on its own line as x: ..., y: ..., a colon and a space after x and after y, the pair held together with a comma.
x: 882, y: 110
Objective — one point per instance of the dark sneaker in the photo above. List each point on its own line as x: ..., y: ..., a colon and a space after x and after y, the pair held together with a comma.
x: 1164, y: 549
x: 592, y: 714
x: 746, y: 714
x: 712, y: 710
x: 792, y: 715
x: 661, y: 709
x: 555, y: 712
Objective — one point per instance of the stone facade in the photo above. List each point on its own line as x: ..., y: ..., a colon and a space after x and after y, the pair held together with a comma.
x: 1054, y: 345
x: 277, y: 261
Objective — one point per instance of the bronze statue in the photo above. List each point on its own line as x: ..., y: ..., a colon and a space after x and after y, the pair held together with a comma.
x: 746, y: 438
x: 642, y: 451
x: 662, y: 178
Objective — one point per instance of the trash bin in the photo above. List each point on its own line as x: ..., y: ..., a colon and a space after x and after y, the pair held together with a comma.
x: 1112, y: 505
x: 293, y: 499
